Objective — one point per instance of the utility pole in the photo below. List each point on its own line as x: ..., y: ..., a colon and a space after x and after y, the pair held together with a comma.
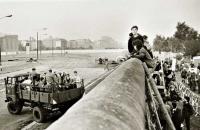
x: 0, y: 59
x: 37, y: 46
x: 40, y: 47
x: 52, y: 46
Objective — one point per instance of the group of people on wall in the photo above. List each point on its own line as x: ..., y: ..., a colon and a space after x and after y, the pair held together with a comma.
x: 139, y: 47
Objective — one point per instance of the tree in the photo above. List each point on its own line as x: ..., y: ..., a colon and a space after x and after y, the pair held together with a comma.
x: 157, y: 42
x: 192, y: 47
x: 184, y: 32
x: 161, y: 44
x: 175, y: 44
x: 185, y: 39
x: 189, y: 38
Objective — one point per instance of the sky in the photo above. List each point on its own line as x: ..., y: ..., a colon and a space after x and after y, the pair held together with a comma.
x: 77, y: 19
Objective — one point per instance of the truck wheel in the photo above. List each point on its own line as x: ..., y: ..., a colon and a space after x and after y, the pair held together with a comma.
x: 39, y: 114
x: 14, y: 107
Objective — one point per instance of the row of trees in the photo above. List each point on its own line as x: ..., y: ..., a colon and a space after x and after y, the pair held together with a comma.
x: 185, y: 39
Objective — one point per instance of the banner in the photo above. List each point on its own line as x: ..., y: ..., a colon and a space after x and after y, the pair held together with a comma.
x: 194, y: 98
x: 173, y: 64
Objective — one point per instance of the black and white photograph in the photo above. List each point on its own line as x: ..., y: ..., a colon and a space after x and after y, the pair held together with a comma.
x: 99, y: 65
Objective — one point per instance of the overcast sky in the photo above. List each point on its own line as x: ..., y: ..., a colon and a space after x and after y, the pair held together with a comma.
x: 74, y: 19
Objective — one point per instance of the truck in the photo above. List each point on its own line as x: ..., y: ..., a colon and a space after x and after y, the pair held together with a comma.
x: 43, y: 100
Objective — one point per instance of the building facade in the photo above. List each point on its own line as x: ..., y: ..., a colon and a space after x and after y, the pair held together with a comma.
x: 55, y: 43
x: 9, y: 43
x: 80, y: 44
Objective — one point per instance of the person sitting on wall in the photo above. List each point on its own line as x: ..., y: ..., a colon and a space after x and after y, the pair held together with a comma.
x: 142, y: 54
x: 147, y: 45
x: 133, y: 36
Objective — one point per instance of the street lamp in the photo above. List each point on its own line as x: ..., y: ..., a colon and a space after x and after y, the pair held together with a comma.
x: 0, y: 43
x: 6, y: 16
x: 37, y: 41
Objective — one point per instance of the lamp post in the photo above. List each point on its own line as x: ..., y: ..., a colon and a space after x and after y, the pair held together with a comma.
x: 1, y: 43
x: 38, y: 44
x: 6, y: 16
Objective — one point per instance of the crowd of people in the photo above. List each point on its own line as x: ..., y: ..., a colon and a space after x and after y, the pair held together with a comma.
x: 191, y: 76
x: 179, y: 108
x: 59, y: 80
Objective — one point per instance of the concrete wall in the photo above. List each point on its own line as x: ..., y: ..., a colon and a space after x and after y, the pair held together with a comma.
x: 117, y: 103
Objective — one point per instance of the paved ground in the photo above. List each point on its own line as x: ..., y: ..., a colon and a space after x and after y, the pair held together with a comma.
x: 84, y: 64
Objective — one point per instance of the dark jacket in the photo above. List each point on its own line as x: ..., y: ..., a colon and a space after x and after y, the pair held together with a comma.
x: 158, y: 67
x: 187, y: 110
x: 144, y: 56
x: 174, y: 95
x: 131, y: 42
x: 184, y: 74
x: 177, y: 118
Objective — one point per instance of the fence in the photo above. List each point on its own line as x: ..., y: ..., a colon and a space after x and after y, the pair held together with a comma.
x: 151, y: 86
